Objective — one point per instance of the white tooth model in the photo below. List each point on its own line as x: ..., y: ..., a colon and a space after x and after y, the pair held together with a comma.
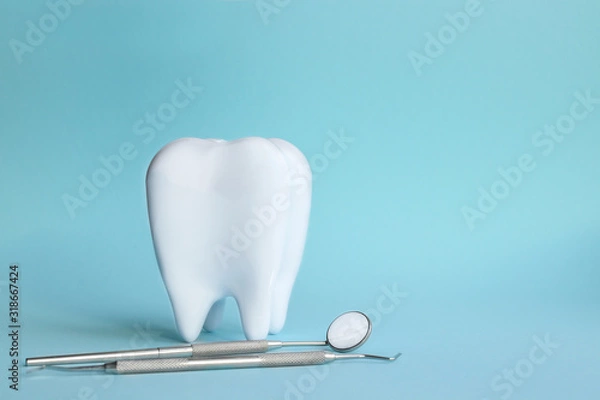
x: 229, y: 219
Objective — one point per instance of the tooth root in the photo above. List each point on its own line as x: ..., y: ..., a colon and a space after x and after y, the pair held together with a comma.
x: 215, y: 316
x: 279, y: 305
x: 255, y: 307
x: 256, y: 301
x: 191, y: 307
x: 190, y: 324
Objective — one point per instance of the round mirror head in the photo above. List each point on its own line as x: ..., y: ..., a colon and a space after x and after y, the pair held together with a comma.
x: 349, y: 331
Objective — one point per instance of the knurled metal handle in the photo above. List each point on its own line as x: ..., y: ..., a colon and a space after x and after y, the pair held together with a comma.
x: 223, y: 348
x: 149, y: 366
x: 251, y: 361
x: 293, y: 359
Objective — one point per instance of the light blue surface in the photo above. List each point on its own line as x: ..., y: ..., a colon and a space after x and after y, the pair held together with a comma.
x: 387, y: 212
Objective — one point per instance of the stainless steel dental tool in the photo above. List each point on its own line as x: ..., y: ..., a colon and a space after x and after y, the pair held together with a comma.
x: 347, y: 332
x: 231, y: 362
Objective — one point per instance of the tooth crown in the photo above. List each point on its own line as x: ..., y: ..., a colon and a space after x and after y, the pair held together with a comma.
x: 229, y: 219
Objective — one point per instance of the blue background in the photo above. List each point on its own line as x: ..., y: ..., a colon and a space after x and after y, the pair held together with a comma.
x: 387, y: 212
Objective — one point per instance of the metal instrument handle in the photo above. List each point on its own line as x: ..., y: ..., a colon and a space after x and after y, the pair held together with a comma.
x: 251, y: 361
x: 111, y: 356
x: 239, y: 347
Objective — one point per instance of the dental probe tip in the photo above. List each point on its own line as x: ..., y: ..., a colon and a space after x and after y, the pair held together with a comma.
x: 394, y: 358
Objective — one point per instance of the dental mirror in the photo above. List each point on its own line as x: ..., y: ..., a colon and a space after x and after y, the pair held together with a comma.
x: 349, y: 331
